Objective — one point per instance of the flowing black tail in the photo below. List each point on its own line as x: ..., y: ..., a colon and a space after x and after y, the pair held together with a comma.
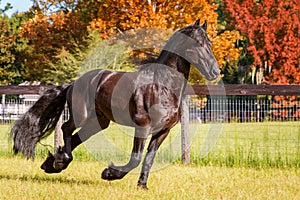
x: 39, y: 121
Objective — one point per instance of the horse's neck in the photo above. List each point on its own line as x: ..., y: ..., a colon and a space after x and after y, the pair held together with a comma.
x: 175, y: 62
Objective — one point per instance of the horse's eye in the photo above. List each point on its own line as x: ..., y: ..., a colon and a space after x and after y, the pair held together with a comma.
x: 201, y: 43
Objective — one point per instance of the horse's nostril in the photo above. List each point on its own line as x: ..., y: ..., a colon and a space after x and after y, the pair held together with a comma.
x: 215, y: 72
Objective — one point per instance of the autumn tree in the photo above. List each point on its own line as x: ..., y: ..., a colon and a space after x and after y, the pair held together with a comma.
x: 58, y: 24
x: 113, y: 17
x: 6, y: 58
x: 272, y: 31
x: 55, y: 33
x: 12, y: 48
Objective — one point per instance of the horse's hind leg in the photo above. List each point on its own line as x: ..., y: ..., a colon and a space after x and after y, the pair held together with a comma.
x: 91, y: 127
x: 56, y: 163
x: 63, y: 156
x: 118, y: 172
x: 60, y: 161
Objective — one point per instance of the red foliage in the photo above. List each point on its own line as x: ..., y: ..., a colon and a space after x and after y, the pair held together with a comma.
x: 272, y: 29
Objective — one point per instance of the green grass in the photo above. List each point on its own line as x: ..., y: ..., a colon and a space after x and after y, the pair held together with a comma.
x: 275, y: 144
x: 267, y: 144
x: 22, y: 179
x: 248, y: 161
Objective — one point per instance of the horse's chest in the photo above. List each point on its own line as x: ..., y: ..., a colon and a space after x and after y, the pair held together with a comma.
x: 155, y: 106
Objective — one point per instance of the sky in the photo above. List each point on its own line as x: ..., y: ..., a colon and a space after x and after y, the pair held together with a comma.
x: 18, y: 5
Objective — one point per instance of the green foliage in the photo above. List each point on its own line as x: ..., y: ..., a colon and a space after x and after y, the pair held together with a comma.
x: 65, y: 68
x: 6, y: 8
x: 231, y: 73
x: 96, y: 53
x: 111, y: 54
x: 196, y: 77
x: 12, y: 49
x: 6, y: 57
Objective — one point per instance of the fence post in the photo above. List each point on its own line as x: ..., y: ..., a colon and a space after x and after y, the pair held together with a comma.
x: 3, y: 108
x: 58, y: 135
x: 185, y: 140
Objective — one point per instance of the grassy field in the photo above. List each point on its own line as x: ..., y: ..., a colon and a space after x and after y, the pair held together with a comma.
x: 247, y: 161
x: 268, y: 144
x: 22, y: 179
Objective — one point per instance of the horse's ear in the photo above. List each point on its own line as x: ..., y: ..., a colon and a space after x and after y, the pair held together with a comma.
x: 197, y: 22
x: 204, y: 25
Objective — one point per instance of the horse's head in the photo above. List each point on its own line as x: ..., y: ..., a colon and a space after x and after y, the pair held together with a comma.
x: 198, y: 50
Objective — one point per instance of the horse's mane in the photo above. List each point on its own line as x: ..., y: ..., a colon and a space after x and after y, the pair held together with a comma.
x: 160, y: 72
x: 146, y: 62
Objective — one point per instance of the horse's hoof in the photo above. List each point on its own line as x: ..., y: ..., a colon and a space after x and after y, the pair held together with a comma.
x: 47, y: 166
x: 142, y: 186
x: 112, y: 173
x: 50, y: 170
x: 106, y: 175
x: 61, y: 161
x: 58, y: 165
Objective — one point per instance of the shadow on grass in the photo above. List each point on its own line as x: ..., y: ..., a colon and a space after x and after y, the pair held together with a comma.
x: 40, y: 179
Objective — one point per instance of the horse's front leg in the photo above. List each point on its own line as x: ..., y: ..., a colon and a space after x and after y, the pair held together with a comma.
x: 154, y: 144
x: 118, y: 172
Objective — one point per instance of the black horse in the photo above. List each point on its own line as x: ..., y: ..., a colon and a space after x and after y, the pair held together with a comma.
x: 148, y: 100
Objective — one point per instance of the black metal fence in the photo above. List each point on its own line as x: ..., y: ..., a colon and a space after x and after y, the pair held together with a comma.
x: 205, y: 109
x: 266, y: 129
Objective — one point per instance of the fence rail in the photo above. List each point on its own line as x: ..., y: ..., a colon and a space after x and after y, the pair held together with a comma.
x: 248, y: 90
x: 24, y: 89
x: 245, y: 90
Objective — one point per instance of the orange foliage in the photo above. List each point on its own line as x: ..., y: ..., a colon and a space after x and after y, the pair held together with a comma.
x: 47, y: 34
x: 224, y: 49
x: 121, y: 15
